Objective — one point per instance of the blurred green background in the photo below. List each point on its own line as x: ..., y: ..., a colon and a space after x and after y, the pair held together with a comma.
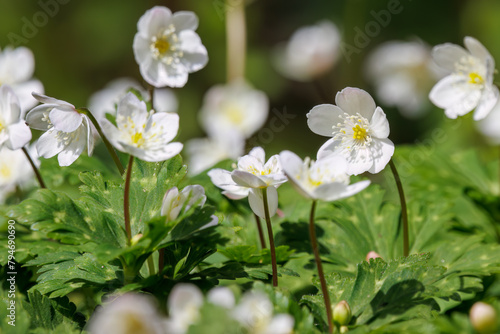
x: 85, y: 44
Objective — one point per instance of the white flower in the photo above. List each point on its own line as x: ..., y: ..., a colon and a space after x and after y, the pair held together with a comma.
x: 235, y: 106
x: 16, y: 70
x: 403, y: 73
x: 167, y: 48
x: 129, y: 313
x: 106, y: 100
x: 359, y: 131
x: 184, y: 303
x: 67, y: 130
x: 15, y: 170
x: 175, y: 202
x: 14, y: 133
x: 490, y: 125
x: 204, y: 153
x: 255, y: 313
x: 470, y: 83
x: 311, y: 52
x: 143, y: 134
x: 221, y: 296
x: 252, y: 174
x: 325, y: 179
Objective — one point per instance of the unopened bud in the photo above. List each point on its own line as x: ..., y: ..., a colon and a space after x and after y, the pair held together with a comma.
x: 372, y: 255
x: 483, y: 318
x: 344, y: 329
x: 135, y: 239
x: 342, y: 313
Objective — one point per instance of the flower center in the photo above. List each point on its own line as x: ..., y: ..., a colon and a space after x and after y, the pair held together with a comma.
x: 352, y: 132
x: 137, y: 139
x: 5, y: 171
x: 359, y: 133
x: 2, y: 126
x: 475, y: 78
x: 234, y: 114
x: 161, y: 45
x: 165, y: 46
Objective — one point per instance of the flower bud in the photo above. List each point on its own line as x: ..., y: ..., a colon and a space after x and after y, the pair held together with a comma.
x: 344, y: 329
x: 483, y: 318
x: 135, y: 239
x: 342, y: 313
x: 372, y: 255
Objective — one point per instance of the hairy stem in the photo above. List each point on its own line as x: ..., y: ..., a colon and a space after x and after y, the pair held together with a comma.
x: 110, y: 148
x: 271, y: 238
x: 404, y: 210
x: 126, y: 199
x: 261, y: 232
x: 161, y: 260
x: 321, y: 274
x: 35, y: 170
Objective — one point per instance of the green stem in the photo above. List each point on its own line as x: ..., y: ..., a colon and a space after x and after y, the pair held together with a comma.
x: 261, y: 232
x: 404, y: 211
x: 110, y: 148
x: 126, y: 199
x: 321, y: 274
x: 151, y: 265
x: 151, y: 91
x: 161, y: 260
x: 35, y: 170
x: 271, y: 238
x: 235, y: 39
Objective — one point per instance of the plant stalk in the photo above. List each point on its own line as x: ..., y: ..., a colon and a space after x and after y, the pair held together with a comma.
x: 235, y: 39
x: 404, y: 210
x: 271, y: 238
x: 261, y: 232
x: 321, y: 274
x: 126, y: 199
x: 35, y: 170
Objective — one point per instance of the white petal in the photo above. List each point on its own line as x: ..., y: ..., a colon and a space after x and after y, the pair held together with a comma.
x: 142, y: 51
x: 23, y: 91
x: 9, y: 105
x: 20, y: 63
x: 256, y: 201
x: 195, y: 55
x: 247, y: 179
x: 221, y: 296
x: 195, y: 194
x: 382, y: 151
x: 63, y: 105
x: 338, y: 191
x: 35, y: 116
x: 477, y: 49
x: 183, y: 298
x: 455, y: 95
x: 159, y: 75
x: 355, y: 100
x: 165, y: 100
x: 74, y: 149
x: 379, y: 126
x: 167, y: 206
x: 292, y: 166
x: 167, y: 152
x: 447, y: 55
x: 154, y: 21
x: 280, y: 324
x: 222, y: 179
x: 19, y: 135
x: 359, y: 161
x: 48, y: 145
x: 66, y: 121
x: 489, y: 99
x: 169, y: 122
x: 184, y: 20
x: 322, y: 118
x: 131, y: 106
x: 112, y: 134
x: 259, y: 154
x: 327, y: 148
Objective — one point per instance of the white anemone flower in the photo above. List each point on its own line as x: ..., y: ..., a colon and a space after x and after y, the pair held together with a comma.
x: 311, y: 52
x: 16, y: 70
x: 255, y: 313
x: 166, y: 47
x: 204, y: 153
x: 68, y: 131
x: 359, y: 131
x: 234, y: 107
x: 325, y: 179
x: 143, y: 134
x: 14, y: 133
x: 403, y: 74
x: 184, y: 303
x: 129, y: 313
x: 252, y: 174
x: 15, y: 170
x: 221, y: 296
x: 489, y: 126
x: 470, y: 82
x: 175, y: 202
x: 105, y: 100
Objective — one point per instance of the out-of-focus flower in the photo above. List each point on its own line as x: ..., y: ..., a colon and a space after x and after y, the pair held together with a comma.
x: 252, y: 174
x: 166, y: 47
x: 15, y: 170
x: 106, y: 100
x: 403, y: 74
x: 204, y: 153
x: 16, y: 70
x: 255, y: 313
x: 490, y: 126
x: 311, y: 52
x: 14, y: 133
x: 484, y: 318
x: 129, y: 313
x: 372, y: 255
x: 325, y: 179
x: 359, y: 131
x: 234, y: 107
x: 143, y: 134
x: 221, y: 296
x: 67, y: 130
x: 470, y: 82
x: 175, y: 202
x: 184, y: 303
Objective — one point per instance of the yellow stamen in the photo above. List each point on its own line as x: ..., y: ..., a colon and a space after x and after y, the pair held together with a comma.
x: 359, y: 133
x: 475, y: 78
x: 5, y: 172
x: 162, y: 45
x: 137, y: 139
